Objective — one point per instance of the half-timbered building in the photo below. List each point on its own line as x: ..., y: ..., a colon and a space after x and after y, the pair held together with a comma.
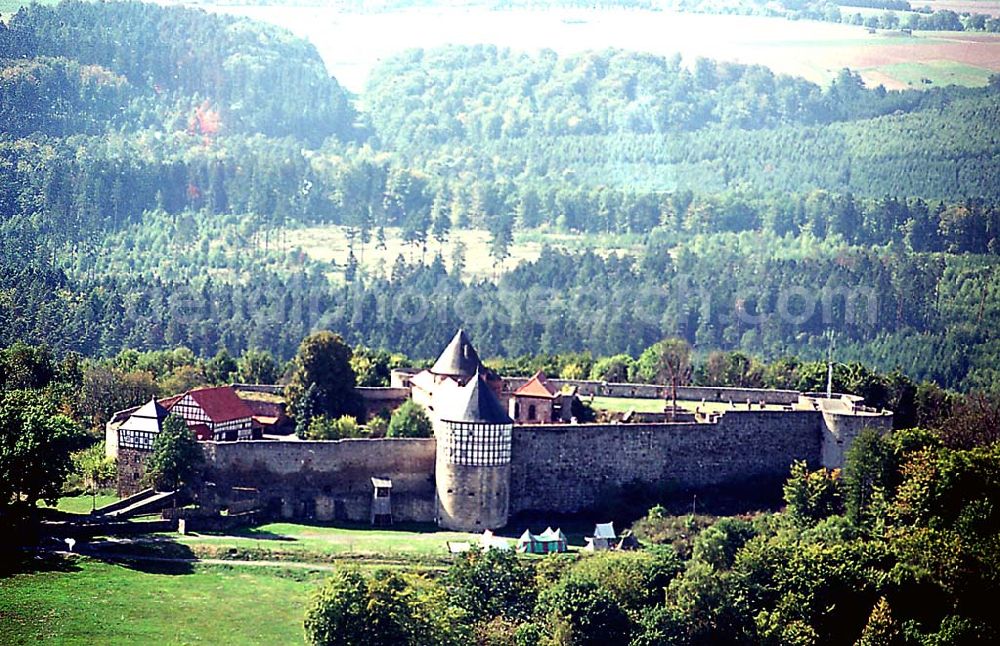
x: 215, y: 414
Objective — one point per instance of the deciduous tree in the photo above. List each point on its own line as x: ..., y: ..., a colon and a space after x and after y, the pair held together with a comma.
x: 35, y: 446
x: 322, y: 380
x: 177, y: 459
x: 409, y: 420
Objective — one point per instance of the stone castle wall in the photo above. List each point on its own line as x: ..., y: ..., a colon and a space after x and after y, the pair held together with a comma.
x: 328, y: 480
x: 560, y: 468
x: 131, y: 469
x: 567, y: 468
x: 839, y: 430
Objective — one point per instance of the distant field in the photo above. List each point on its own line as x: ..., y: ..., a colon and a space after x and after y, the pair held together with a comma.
x: 986, y: 7
x: 938, y: 73
x: 351, y: 44
x: 100, y: 603
x: 329, y: 243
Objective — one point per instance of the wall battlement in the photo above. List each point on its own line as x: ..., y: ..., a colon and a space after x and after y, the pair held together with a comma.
x: 568, y: 468
x: 586, y: 387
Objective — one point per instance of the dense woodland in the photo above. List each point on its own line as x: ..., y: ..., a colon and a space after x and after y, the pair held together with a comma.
x: 633, y: 120
x: 259, y: 78
x: 152, y: 165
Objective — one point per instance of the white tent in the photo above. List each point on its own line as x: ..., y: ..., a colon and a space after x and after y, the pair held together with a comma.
x: 604, y: 530
x: 491, y: 542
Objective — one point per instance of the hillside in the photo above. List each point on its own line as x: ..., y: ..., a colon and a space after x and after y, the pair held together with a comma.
x: 640, y: 121
x: 159, y: 195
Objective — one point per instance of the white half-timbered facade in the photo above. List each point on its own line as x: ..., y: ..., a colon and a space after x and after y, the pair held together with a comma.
x: 142, y: 427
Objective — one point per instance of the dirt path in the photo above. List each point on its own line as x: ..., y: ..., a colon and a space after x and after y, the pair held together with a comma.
x: 326, y: 567
x: 95, y: 549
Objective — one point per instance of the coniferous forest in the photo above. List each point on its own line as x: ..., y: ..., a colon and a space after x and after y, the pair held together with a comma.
x: 153, y: 157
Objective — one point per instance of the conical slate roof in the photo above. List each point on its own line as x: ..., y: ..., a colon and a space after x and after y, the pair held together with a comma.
x: 459, y: 359
x: 474, y: 402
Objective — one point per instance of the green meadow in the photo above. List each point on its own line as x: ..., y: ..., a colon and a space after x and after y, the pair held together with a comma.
x: 414, y: 544
x: 77, y: 600
x: 939, y: 73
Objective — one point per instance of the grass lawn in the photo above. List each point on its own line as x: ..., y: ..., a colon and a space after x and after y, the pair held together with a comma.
x: 82, y: 504
x: 100, y: 603
x: 289, y: 541
x: 625, y: 404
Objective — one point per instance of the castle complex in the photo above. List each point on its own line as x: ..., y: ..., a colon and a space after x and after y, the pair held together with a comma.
x: 503, y: 446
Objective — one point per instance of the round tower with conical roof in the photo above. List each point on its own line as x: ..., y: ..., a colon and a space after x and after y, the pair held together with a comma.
x: 459, y: 360
x: 472, y: 470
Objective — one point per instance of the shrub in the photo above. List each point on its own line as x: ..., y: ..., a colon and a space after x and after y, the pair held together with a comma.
x: 383, y: 607
x: 324, y: 428
x: 492, y: 584
x: 718, y: 544
x: 633, y: 579
x: 409, y: 420
x: 811, y: 496
x: 377, y: 427
x: 584, y: 613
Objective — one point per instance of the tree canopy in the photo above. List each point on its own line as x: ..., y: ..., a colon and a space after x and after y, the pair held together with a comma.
x: 36, y: 442
x: 381, y: 608
x: 409, y: 420
x: 177, y: 460
x: 322, y: 381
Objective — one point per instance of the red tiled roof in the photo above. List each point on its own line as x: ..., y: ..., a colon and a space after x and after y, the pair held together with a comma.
x: 537, y: 386
x: 221, y: 404
x: 168, y: 402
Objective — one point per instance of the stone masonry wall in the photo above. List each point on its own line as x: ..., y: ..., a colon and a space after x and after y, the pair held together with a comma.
x: 840, y: 430
x: 566, y: 468
x: 131, y: 465
x: 328, y: 480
